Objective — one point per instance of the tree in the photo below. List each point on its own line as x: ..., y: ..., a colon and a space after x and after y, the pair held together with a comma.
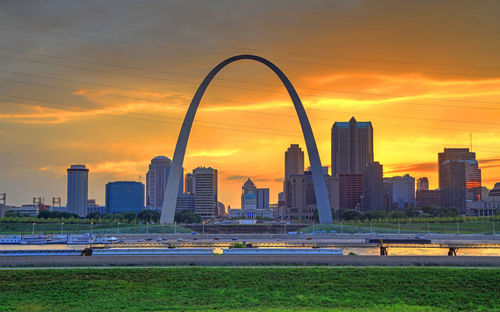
x: 148, y: 215
x: 350, y: 214
x: 187, y: 217
x: 93, y: 215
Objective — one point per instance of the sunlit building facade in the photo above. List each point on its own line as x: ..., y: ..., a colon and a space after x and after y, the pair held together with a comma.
x: 78, y: 189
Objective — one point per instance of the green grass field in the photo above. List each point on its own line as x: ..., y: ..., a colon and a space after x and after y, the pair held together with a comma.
x: 27, y: 228
x: 468, y: 227
x: 251, y: 289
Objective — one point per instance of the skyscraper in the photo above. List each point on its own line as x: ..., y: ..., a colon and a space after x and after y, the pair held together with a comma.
x: 373, y: 187
x: 350, y: 190
x: 124, y: 196
x: 78, y: 189
x: 452, y: 154
x: 352, y: 146
x: 461, y: 182
x: 156, y: 181
x: 294, y: 160
x: 205, y: 192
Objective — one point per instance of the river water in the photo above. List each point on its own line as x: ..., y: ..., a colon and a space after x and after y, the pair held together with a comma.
x: 414, y: 251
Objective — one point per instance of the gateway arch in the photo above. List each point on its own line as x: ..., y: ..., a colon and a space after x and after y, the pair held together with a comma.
x: 172, y: 188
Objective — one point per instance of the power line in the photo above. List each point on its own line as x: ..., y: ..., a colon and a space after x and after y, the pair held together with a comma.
x: 329, y: 56
x: 246, y: 102
x: 199, y: 77
x: 258, y: 129
x: 251, y: 89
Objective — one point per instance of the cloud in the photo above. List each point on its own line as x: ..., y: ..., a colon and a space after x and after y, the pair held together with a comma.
x: 125, y: 167
x: 236, y: 177
x: 406, y: 168
x: 215, y: 153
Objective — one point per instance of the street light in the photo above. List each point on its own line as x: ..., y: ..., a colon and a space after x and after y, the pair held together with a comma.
x: 147, y: 227
x: 91, y: 227
x: 175, y: 227
x: 118, y: 227
x: 33, y: 229
x: 62, y: 224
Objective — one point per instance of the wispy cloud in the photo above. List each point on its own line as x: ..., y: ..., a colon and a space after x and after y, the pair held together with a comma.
x: 406, y: 168
x: 125, y: 167
x: 236, y: 177
x: 215, y: 153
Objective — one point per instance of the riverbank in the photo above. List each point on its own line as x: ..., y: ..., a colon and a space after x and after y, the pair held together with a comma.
x: 250, y: 289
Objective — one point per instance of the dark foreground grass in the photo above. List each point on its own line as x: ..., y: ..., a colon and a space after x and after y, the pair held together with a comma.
x: 251, y: 289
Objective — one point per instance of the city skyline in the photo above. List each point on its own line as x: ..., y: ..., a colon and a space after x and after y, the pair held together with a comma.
x: 115, y: 124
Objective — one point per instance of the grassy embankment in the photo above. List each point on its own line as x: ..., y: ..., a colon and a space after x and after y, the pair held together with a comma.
x: 251, y: 289
x: 27, y: 228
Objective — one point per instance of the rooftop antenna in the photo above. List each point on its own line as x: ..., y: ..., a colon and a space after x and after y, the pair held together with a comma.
x: 471, y: 141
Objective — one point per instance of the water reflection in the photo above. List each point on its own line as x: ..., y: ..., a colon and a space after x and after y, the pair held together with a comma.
x: 373, y: 251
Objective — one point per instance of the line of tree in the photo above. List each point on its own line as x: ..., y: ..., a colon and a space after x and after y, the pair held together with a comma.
x: 143, y: 216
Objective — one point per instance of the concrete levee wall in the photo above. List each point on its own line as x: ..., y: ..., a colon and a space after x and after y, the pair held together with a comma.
x: 235, y: 260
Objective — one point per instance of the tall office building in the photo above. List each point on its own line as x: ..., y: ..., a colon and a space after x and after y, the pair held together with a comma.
x: 78, y: 189
x: 373, y: 187
x: 156, y: 181
x: 124, y: 196
x: 205, y: 192
x: 460, y: 182
x: 351, y: 188
x: 452, y: 154
x: 402, y: 190
x: 300, y: 199
x: 294, y: 160
x: 423, y: 184
x: 352, y: 146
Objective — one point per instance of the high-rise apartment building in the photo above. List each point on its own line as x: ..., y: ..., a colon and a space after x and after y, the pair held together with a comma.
x: 403, y: 191
x: 205, y: 192
x: 422, y: 184
x: 352, y: 146
x: 78, y: 189
x: 156, y: 181
x: 294, y: 160
x: 124, y: 196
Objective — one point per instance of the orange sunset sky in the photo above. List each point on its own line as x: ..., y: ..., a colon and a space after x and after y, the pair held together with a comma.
x: 107, y: 84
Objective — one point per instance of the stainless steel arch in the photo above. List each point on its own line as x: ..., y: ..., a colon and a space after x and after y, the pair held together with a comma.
x: 170, y: 198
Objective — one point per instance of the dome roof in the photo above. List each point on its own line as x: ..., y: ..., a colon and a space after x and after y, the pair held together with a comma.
x: 161, y: 157
x: 250, y: 195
